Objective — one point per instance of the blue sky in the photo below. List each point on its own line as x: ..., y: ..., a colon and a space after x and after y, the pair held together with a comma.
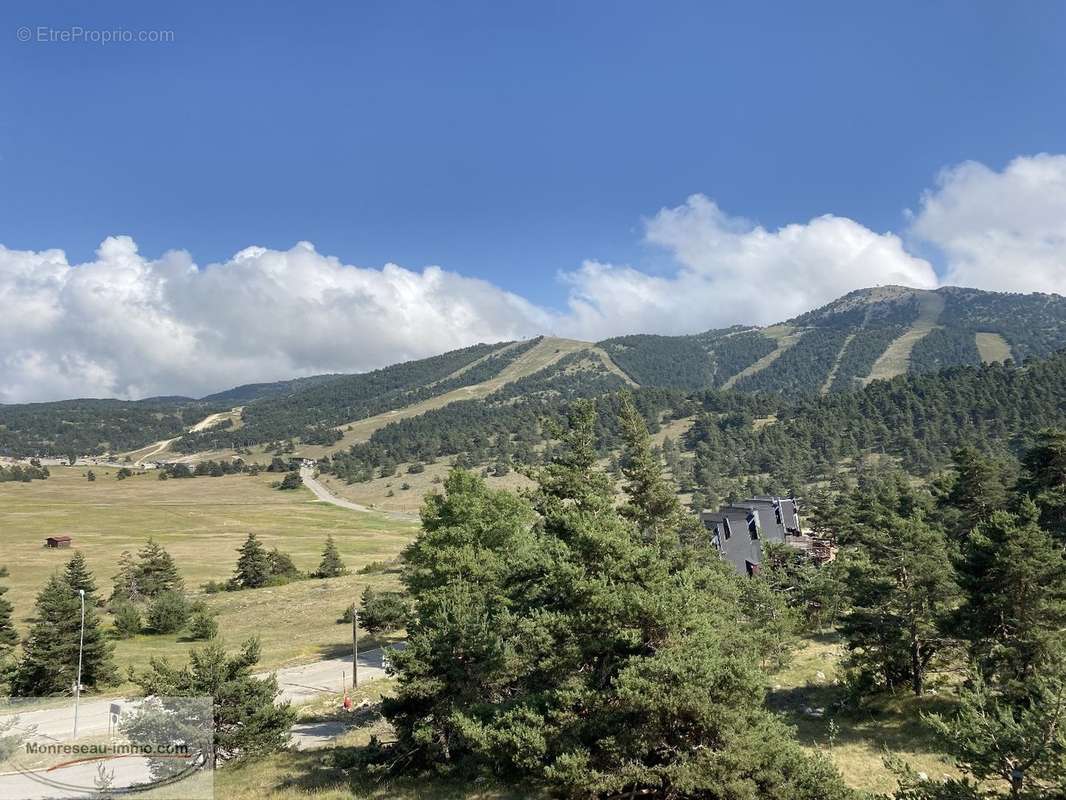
x: 505, y: 140
x: 583, y: 168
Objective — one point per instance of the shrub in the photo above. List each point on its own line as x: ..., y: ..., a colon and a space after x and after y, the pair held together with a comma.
x: 168, y: 612
x: 203, y: 626
x: 291, y: 480
x: 127, y: 620
x: 416, y: 468
x: 383, y: 611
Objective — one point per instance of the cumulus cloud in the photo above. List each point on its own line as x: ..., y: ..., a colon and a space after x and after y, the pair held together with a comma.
x: 125, y: 325
x: 1003, y: 230
x: 731, y: 271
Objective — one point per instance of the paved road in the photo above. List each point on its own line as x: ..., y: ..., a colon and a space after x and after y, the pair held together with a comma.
x: 299, y: 684
x: 325, y: 495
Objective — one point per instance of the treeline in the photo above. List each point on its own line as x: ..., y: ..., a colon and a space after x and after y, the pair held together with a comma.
x: 314, y: 413
x: 483, y: 431
x: 92, y: 427
x: 919, y: 419
x: 23, y: 473
x: 803, y: 367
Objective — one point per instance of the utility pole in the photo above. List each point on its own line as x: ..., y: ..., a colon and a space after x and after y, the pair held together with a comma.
x: 355, y: 645
x: 81, y: 646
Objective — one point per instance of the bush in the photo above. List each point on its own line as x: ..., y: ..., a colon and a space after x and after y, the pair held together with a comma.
x: 416, y: 468
x: 127, y: 620
x: 291, y: 481
x: 168, y: 612
x: 124, y: 473
x: 213, y: 587
x: 383, y: 611
x: 203, y: 626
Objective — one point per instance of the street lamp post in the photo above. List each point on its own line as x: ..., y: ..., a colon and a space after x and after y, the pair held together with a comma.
x: 81, y: 646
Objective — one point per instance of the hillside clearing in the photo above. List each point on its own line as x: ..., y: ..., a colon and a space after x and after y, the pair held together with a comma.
x: 992, y: 347
x: 542, y: 355
x: 896, y: 358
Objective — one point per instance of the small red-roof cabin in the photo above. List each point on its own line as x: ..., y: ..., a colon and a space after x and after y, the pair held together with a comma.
x: 58, y: 541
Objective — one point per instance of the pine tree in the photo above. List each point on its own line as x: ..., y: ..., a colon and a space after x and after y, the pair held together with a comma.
x: 574, y: 654
x: 253, y: 565
x: 901, y: 586
x: 79, y: 576
x: 975, y: 489
x: 1045, y: 480
x: 49, y: 663
x: 1021, y: 744
x: 8, y: 637
x: 331, y: 565
x: 1014, y: 576
x: 248, y: 721
x: 156, y: 571
x: 126, y: 583
x: 653, y: 503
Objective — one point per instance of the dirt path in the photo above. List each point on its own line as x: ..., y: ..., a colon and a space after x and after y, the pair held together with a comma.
x: 785, y: 340
x: 543, y: 354
x: 897, y: 356
x: 155, y: 450
x: 326, y: 496
x: 212, y: 419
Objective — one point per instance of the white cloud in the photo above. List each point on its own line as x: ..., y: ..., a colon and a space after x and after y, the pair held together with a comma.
x: 731, y: 271
x: 1000, y: 230
x: 128, y: 326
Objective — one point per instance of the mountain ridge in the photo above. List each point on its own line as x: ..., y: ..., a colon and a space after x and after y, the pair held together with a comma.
x: 865, y: 335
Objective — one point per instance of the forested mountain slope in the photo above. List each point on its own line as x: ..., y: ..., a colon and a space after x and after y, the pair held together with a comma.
x: 869, y: 334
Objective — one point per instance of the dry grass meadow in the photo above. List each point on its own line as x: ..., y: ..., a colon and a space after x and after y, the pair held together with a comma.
x: 201, y: 522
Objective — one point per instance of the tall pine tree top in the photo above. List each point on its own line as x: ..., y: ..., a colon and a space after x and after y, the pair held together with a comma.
x: 156, y: 571
x: 49, y: 663
x: 331, y: 565
x: 253, y: 564
x: 79, y: 576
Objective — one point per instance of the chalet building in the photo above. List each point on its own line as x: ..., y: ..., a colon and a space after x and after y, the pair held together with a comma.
x: 741, y: 530
x: 58, y: 541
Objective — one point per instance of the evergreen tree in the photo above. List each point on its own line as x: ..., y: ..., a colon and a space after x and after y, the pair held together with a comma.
x: 1045, y: 480
x: 49, y: 663
x: 253, y: 565
x: 126, y: 583
x: 901, y: 587
x: 8, y: 636
x: 156, y: 571
x: 282, y: 565
x: 1021, y: 744
x: 248, y: 722
x: 975, y: 488
x: 653, y: 503
x: 331, y: 565
x: 1014, y: 576
x: 79, y: 576
x: 578, y: 655
x: 383, y: 611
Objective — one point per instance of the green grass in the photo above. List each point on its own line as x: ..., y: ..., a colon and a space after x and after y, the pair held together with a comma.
x: 201, y: 522
x: 889, y: 722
